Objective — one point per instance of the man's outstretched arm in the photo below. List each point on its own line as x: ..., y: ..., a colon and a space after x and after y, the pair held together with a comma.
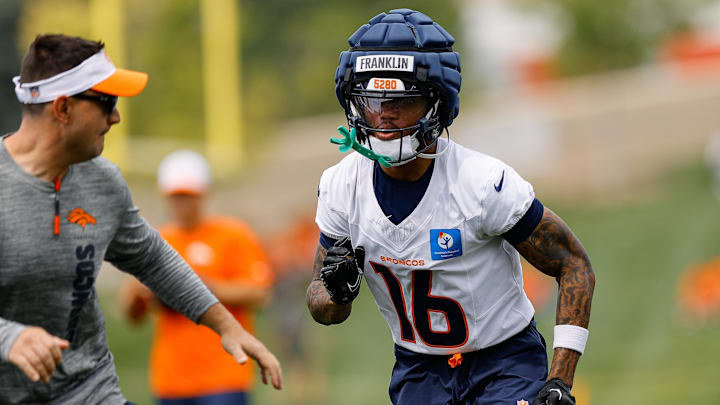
x: 139, y: 250
x: 553, y: 249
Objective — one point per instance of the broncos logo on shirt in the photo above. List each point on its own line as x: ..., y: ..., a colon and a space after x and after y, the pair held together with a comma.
x: 80, y: 217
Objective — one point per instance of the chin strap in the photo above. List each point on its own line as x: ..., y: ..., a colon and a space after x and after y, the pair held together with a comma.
x: 437, y: 154
x: 349, y: 142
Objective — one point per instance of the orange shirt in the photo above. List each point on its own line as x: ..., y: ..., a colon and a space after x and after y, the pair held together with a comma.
x: 187, y: 359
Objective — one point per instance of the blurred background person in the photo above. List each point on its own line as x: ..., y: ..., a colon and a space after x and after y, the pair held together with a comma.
x: 699, y: 293
x: 185, y: 366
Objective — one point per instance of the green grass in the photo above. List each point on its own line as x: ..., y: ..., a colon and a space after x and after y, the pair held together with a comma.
x: 641, y: 349
x: 131, y: 347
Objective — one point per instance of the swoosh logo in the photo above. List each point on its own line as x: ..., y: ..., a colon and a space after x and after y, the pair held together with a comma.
x: 498, y: 186
x: 558, y: 391
x: 354, y: 287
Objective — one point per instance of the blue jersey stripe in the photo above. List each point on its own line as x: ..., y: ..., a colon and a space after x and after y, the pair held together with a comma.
x: 326, y: 241
x: 526, y: 225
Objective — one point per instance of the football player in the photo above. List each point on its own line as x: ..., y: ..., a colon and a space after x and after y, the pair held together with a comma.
x: 437, y: 230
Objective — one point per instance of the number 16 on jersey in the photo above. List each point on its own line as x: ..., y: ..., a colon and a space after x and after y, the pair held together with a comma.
x: 423, y: 303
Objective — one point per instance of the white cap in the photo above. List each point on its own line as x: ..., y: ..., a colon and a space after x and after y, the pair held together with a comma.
x: 184, y: 172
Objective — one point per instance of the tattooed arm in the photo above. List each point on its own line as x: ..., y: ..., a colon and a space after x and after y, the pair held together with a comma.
x: 553, y: 249
x: 321, y: 307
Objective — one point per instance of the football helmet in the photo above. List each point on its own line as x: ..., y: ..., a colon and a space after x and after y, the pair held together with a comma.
x: 401, y: 61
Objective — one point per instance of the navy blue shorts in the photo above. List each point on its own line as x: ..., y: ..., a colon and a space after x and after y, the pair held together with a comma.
x: 510, y: 371
x: 230, y: 398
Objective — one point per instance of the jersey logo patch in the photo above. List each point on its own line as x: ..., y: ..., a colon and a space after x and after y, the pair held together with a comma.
x: 445, y: 243
x: 80, y: 217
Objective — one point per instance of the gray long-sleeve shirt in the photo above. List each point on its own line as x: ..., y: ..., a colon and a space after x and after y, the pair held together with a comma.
x: 47, y: 280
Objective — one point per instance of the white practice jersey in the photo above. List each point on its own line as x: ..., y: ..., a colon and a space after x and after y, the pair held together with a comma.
x: 444, y: 278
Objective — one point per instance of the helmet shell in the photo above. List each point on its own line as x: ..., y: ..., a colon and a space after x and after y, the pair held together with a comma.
x: 404, y: 33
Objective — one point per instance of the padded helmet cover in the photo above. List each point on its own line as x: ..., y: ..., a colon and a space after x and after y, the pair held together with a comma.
x: 408, y: 33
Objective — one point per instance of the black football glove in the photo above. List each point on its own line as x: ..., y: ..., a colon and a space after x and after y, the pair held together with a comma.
x: 554, y: 392
x: 342, y: 271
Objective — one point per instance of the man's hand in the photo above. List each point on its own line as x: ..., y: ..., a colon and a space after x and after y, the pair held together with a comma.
x: 555, y: 392
x: 37, y: 353
x: 342, y: 271
x: 241, y: 344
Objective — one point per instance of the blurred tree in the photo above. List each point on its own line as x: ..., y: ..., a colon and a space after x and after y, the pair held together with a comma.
x: 164, y: 40
x: 289, y: 54
x: 49, y: 17
x: 291, y: 50
x: 9, y: 64
x: 616, y: 34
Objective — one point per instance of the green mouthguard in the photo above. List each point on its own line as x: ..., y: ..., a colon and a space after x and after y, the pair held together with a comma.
x: 349, y: 142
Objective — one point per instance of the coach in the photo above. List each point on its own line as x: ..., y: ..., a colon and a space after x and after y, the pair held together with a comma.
x: 63, y: 210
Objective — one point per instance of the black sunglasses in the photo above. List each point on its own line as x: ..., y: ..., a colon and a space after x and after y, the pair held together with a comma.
x: 105, y: 101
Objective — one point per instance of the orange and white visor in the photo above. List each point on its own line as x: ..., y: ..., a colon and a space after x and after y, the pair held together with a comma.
x: 95, y: 72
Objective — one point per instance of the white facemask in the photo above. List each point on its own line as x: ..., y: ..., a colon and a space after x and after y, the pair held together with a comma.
x: 401, y: 148
x: 397, y: 149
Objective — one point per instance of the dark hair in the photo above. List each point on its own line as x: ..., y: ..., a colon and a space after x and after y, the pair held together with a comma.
x: 50, y: 54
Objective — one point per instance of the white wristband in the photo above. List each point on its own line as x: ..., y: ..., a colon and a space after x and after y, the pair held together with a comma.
x: 571, y: 337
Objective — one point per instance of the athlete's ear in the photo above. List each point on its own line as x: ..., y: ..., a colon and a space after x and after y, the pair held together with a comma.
x: 61, y: 108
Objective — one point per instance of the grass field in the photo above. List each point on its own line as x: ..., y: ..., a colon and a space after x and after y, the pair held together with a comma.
x: 641, y: 349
